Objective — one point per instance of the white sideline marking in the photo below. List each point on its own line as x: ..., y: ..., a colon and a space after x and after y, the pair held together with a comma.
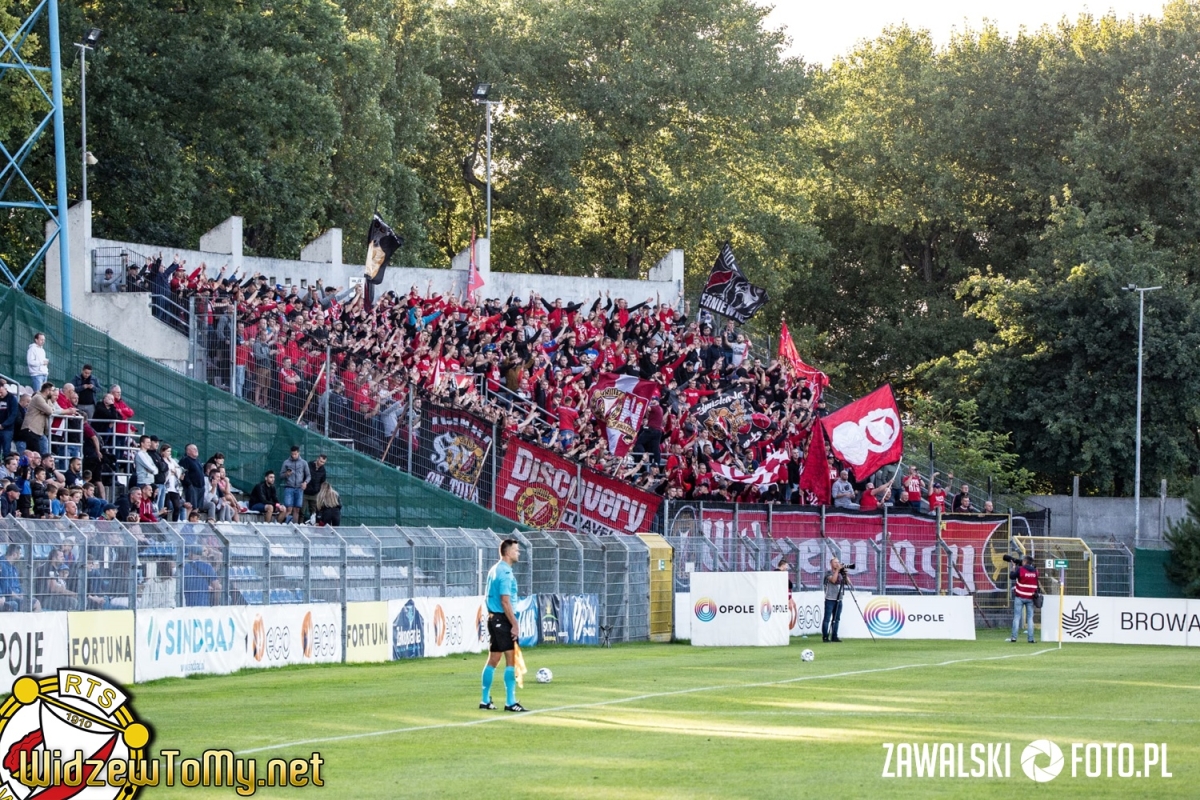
x: 503, y: 716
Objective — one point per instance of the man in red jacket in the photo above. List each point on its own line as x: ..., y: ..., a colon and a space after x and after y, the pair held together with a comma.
x: 1024, y: 589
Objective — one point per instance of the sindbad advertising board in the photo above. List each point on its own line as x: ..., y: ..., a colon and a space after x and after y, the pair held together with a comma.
x: 908, y: 617
x: 739, y: 608
x: 426, y: 627
x: 544, y: 490
x: 293, y: 634
x: 176, y: 642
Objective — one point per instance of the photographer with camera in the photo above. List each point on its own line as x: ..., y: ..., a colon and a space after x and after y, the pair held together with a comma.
x: 835, y: 583
x: 1024, y: 591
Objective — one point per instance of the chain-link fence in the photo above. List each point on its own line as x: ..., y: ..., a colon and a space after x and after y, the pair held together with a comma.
x: 67, y: 565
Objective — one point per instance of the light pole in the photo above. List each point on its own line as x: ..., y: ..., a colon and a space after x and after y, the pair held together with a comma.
x: 1137, y: 458
x: 90, y: 38
x: 480, y: 95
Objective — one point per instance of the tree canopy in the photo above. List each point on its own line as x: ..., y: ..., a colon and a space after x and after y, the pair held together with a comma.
x: 959, y: 220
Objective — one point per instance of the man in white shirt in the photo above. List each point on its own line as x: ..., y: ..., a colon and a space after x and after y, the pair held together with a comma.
x: 36, y: 362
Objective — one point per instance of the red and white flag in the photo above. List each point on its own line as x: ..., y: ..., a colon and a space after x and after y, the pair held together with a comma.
x: 621, y: 402
x: 773, y: 469
x: 474, y: 279
x: 866, y: 434
x: 787, y: 352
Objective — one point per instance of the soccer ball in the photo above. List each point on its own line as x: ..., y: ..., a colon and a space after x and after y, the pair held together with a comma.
x: 808, y: 655
x: 544, y: 675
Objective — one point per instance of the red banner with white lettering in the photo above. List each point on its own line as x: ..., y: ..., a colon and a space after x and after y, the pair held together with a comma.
x: 539, y: 488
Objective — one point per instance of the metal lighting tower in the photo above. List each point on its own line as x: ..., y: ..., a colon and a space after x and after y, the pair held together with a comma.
x: 14, y: 155
x: 1137, y: 459
x: 89, y: 43
x: 480, y: 95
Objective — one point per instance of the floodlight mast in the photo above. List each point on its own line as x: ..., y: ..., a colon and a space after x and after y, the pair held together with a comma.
x: 480, y: 95
x: 1137, y: 458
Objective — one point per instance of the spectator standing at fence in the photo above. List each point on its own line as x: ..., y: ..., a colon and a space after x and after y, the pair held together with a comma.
x: 160, y: 477
x: 913, y: 484
x: 42, y: 407
x: 296, y: 476
x: 110, y: 282
x: 192, y: 479
x: 10, y: 414
x: 173, y: 502
x: 329, y: 506
x: 316, y: 470
x: 262, y: 352
x: 36, y: 361
x: 201, y: 586
x: 86, y: 384
x: 962, y: 500
x: 144, y: 465
x: 124, y: 410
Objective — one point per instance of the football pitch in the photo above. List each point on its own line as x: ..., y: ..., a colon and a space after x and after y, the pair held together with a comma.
x: 675, y: 721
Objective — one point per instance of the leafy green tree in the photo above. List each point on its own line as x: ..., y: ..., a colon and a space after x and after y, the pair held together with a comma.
x: 1183, y: 567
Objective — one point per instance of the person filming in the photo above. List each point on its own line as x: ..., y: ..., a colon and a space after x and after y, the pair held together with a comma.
x: 1024, y: 590
x: 833, y: 601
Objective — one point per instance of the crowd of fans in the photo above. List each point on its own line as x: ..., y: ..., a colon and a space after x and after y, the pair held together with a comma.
x: 76, y: 453
x: 527, y: 364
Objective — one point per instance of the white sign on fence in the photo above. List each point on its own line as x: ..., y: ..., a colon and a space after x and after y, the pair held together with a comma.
x: 174, y: 642
x: 33, y: 643
x: 908, y: 617
x: 739, y: 608
x: 454, y: 625
x: 293, y: 634
x: 1123, y: 620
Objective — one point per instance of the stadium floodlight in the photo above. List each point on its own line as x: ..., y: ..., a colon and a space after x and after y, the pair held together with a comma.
x: 90, y: 38
x: 1137, y: 457
x: 481, y: 94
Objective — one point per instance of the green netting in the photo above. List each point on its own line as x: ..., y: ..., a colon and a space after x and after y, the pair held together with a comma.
x: 1150, y: 575
x: 179, y: 410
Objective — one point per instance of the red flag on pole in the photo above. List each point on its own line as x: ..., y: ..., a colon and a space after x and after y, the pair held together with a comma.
x: 866, y: 434
x: 474, y: 279
x: 787, y: 352
x: 814, y: 473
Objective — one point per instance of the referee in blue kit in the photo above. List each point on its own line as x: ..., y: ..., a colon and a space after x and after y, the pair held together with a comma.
x: 502, y: 626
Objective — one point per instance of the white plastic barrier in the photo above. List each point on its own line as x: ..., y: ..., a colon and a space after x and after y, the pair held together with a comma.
x: 33, y: 643
x: 1123, y: 620
x: 437, y: 626
x: 908, y: 617
x: 739, y: 608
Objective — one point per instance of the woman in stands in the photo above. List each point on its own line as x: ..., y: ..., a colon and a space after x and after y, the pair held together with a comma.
x: 329, y: 506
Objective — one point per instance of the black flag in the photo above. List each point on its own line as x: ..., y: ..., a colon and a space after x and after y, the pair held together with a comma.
x: 728, y: 292
x: 382, y: 241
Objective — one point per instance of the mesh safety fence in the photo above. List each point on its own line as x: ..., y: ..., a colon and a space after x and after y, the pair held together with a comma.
x: 179, y: 410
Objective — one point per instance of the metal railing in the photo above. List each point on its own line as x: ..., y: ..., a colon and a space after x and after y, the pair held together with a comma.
x: 69, y: 565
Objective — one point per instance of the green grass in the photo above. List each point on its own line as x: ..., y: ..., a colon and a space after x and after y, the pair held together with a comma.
x: 775, y: 727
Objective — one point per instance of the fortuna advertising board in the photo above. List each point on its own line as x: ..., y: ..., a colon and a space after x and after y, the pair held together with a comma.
x: 1123, y: 620
x: 739, y: 608
x: 538, y: 488
x: 908, y: 617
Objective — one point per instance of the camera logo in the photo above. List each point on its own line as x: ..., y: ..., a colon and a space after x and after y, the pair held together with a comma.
x: 884, y: 616
x: 706, y: 609
x: 1079, y: 624
x: 1042, y: 747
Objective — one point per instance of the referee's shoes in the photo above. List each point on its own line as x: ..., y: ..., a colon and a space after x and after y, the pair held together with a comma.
x: 516, y: 707
x: 489, y: 705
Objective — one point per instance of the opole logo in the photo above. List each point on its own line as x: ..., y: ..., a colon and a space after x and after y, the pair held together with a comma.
x: 706, y: 609
x: 765, y: 609
x: 884, y: 616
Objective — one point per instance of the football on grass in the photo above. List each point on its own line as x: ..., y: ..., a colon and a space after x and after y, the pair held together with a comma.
x: 808, y: 655
x: 544, y: 675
